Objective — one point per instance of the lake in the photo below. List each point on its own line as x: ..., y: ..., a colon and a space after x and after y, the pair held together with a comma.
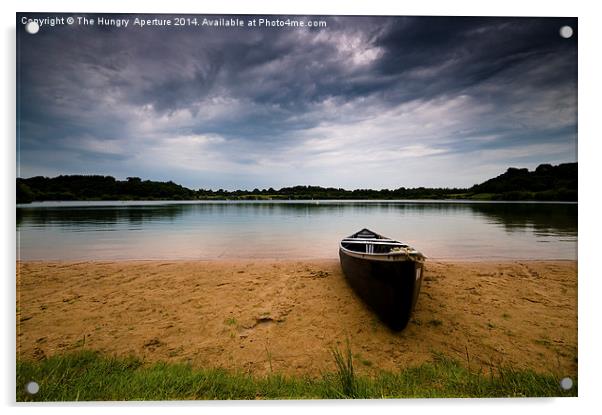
x: 292, y: 229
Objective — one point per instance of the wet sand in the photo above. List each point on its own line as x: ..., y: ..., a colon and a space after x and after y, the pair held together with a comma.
x: 285, y: 316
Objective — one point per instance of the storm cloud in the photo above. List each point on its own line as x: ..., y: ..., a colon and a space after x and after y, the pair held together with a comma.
x: 378, y: 102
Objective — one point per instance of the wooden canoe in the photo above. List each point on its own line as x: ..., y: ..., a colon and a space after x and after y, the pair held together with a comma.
x: 385, y: 273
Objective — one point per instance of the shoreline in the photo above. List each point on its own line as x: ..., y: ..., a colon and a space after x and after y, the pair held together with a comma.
x: 84, y: 202
x: 286, y: 315
x: 268, y: 260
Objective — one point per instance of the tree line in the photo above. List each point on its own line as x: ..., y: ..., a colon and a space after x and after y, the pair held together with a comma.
x: 546, y: 182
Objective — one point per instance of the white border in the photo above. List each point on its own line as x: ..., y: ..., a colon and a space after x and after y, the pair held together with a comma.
x: 589, y: 176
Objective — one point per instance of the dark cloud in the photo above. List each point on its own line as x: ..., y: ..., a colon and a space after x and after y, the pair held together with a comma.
x: 260, y: 100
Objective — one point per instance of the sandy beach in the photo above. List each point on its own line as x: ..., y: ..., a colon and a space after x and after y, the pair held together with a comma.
x: 285, y: 316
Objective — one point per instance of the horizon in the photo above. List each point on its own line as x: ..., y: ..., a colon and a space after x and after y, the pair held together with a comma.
x: 292, y: 186
x: 368, y: 102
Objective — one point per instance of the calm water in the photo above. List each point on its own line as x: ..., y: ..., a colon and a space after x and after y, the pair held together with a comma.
x: 206, y: 230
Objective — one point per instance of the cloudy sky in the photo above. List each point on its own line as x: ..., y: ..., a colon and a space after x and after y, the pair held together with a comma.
x: 378, y: 102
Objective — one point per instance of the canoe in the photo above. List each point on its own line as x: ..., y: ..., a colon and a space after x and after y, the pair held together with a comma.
x: 385, y: 273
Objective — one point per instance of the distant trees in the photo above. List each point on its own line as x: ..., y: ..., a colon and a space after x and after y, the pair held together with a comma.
x: 546, y: 182
x: 24, y: 193
x: 82, y: 187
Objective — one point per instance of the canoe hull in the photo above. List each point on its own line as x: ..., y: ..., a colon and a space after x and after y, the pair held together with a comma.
x: 389, y: 287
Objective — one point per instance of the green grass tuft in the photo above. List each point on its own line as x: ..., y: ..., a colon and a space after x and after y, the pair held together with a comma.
x: 89, y: 376
x: 435, y: 322
x: 230, y: 321
x: 344, y: 371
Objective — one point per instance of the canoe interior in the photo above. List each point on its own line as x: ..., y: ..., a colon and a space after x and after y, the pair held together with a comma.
x: 372, y: 246
x: 366, y: 241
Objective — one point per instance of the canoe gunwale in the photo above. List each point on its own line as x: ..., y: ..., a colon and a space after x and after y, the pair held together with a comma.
x: 407, y: 254
x: 387, y: 256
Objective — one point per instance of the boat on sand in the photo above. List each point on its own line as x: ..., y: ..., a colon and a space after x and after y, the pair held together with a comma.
x: 385, y: 273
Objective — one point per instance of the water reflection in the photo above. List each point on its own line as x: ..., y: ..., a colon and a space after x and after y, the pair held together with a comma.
x: 294, y: 229
x: 97, y: 216
x: 543, y: 218
x: 547, y: 218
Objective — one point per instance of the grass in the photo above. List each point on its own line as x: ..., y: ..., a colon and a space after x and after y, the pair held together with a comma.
x: 344, y: 372
x: 231, y: 321
x: 543, y: 342
x: 89, y: 376
x: 435, y: 322
x: 480, y: 196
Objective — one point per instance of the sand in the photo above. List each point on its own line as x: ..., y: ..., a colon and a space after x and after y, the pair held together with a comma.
x: 285, y: 316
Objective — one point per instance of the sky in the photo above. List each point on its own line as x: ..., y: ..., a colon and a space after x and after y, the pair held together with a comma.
x: 365, y: 102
